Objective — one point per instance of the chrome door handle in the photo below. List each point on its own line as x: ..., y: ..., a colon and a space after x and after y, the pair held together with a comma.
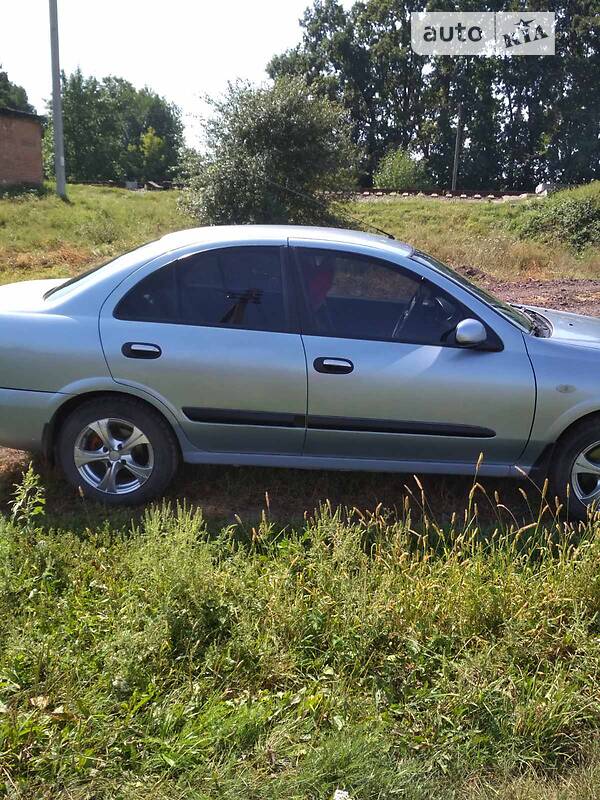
x: 141, y: 350
x: 333, y: 366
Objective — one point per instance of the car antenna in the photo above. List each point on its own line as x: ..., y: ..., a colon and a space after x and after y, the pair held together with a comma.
x: 350, y: 217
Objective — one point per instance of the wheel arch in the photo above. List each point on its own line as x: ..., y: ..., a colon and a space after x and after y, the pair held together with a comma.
x: 53, y: 427
x: 576, y: 423
x: 541, y: 467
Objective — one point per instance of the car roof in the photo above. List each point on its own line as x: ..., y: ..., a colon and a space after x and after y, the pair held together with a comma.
x: 244, y: 233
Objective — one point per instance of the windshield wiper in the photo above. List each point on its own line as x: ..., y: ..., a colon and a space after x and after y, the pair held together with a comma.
x: 49, y: 292
x: 540, y: 325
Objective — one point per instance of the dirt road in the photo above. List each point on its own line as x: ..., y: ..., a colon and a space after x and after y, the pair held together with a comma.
x: 568, y: 294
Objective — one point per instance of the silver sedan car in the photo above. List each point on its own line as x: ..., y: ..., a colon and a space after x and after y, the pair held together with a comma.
x: 294, y: 347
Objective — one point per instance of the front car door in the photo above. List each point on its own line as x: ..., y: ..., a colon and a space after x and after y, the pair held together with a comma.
x: 212, y: 335
x: 386, y: 380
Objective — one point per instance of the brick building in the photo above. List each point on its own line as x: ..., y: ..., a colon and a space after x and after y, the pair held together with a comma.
x: 20, y: 148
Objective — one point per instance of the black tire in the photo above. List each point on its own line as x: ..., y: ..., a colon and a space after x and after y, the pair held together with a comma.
x: 567, y: 450
x: 163, y: 446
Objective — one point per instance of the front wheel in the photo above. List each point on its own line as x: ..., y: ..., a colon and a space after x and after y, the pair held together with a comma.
x: 575, y: 473
x: 118, y: 451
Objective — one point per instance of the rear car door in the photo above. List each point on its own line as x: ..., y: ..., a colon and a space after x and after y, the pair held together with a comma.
x: 387, y: 381
x: 213, y: 335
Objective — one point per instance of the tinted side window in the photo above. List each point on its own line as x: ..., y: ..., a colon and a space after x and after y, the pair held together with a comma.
x: 240, y: 287
x: 353, y: 296
x: 154, y: 299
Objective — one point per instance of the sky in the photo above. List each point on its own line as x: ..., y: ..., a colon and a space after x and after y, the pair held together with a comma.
x: 182, y: 49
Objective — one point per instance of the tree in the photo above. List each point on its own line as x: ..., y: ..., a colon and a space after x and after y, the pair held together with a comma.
x: 147, y: 158
x: 363, y: 59
x: 526, y: 119
x: 115, y: 131
x: 13, y: 96
x: 139, y: 111
x: 271, y: 152
x: 92, y: 138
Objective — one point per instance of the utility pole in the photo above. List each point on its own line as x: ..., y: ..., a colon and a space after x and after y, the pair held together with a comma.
x: 457, y: 146
x: 57, y: 120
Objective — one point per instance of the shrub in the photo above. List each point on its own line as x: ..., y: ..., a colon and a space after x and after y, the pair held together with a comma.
x: 272, y: 153
x: 571, y: 216
x: 400, y: 171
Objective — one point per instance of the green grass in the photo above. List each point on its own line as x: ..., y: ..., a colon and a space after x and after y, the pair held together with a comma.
x: 353, y: 651
x: 43, y: 237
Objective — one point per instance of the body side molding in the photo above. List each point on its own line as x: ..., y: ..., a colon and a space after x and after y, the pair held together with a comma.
x: 225, y: 416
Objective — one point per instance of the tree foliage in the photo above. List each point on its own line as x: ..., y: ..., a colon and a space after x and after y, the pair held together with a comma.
x: 148, y: 157
x: 12, y: 95
x: 115, y: 131
x: 526, y: 119
x: 400, y: 171
x: 270, y: 151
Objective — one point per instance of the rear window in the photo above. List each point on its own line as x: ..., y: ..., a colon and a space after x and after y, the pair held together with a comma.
x: 238, y: 287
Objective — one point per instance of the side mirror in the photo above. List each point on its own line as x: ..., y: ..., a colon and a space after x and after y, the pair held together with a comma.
x: 470, y: 333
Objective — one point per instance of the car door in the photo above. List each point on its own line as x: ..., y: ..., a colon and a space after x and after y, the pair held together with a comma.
x: 387, y: 380
x: 212, y: 335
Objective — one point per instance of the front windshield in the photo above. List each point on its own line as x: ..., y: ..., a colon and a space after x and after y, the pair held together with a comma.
x: 491, y: 300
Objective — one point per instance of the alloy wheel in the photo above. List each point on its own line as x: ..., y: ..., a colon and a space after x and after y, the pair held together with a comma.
x: 585, y: 475
x: 113, y: 456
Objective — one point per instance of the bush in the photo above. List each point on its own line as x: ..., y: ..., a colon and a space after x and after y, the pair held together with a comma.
x: 272, y: 153
x: 571, y: 216
x: 398, y: 170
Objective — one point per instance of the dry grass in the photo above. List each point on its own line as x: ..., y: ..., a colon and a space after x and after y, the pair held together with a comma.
x: 44, y: 237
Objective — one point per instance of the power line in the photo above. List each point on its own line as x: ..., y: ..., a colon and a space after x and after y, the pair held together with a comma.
x: 350, y: 217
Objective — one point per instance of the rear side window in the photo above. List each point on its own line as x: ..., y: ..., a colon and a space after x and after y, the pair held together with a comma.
x: 238, y: 287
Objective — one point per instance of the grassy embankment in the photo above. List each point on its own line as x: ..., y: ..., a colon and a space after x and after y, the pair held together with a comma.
x: 44, y: 237
x: 557, y: 237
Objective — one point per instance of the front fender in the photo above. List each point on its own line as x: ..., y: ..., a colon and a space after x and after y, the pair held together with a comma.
x: 568, y: 389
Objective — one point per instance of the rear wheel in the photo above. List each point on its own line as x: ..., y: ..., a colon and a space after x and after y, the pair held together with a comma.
x: 118, y: 451
x: 575, y: 473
